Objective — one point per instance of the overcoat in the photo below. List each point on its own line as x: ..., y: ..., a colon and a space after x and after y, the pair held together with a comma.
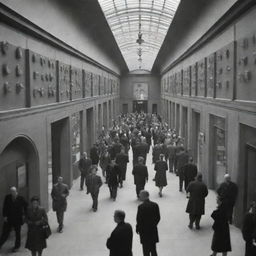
x: 93, y: 183
x: 14, y: 210
x: 113, y: 175
x: 120, y: 241
x: 160, y: 178
x: 140, y: 173
x: 249, y: 233
x: 221, y: 235
x: 94, y: 155
x: 35, y: 237
x: 148, y: 216
x: 198, y: 191
x: 122, y: 159
x: 59, y: 194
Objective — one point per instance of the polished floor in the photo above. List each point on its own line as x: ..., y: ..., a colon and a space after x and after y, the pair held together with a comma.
x: 86, y: 232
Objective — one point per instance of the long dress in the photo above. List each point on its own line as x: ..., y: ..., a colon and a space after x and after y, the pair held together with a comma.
x: 35, y: 238
x: 160, y: 178
x: 221, y: 235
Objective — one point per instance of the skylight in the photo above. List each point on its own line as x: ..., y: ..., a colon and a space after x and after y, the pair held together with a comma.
x: 139, y: 27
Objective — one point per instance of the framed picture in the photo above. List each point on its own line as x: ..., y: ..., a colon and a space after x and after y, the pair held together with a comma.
x: 140, y: 91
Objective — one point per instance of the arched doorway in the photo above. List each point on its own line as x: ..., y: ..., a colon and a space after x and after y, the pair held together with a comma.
x: 19, y: 167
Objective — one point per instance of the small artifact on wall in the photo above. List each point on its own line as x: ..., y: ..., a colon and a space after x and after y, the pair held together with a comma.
x: 13, y: 77
x: 22, y: 176
x: 140, y: 91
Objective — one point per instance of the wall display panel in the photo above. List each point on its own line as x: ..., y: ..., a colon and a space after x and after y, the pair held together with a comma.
x: 179, y: 81
x: 13, y: 77
x: 194, y: 80
x: 246, y: 65
x: 186, y: 81
x: 211, y: 75
x: 63, y: 81
x: 95, y: 84
x: 76, y: 83
x: 87, y: 84
x: 225, y: 72
x: 101, y: 85
x: 173, y: 84
x: 43, y: 79
x: 201, y: 88
x: 140, y: 91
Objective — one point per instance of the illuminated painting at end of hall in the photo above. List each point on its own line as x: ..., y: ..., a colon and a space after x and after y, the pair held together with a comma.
x: 140, y: 91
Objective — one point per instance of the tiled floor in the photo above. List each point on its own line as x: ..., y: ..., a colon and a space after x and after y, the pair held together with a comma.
x: 86, y: 232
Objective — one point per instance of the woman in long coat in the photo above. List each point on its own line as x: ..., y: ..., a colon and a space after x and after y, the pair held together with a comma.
x: 221, y: 235
x: 160, y: 178
x: 36, y: 218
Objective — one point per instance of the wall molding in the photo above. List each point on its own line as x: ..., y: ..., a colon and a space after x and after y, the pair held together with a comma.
x: 16, y: 21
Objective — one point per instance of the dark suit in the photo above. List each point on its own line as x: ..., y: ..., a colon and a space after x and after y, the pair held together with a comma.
x: 140, y: 150
x: 182, y: 160
x: 120, y: 241
x: 140, y: 172
x: 84, y: 167
x: 94, y: 183
x: 59, y: 202
x: 196, y: 203
x: 228, y: 192
x: 190, y: 172
x: 122, y: 159
x: 148, y: 216
x: 249, y: 233
x: 113, y: 174
x: 14, y: 210
x: 94, y: 155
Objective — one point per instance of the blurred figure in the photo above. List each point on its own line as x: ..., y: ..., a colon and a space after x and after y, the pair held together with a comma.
x: 94, y: 154
x: 182, y: 160
x: 84, y: 166
x: 197, y: 191
x: 140, y: 173
x: 94, y: 183
x: 190, y: 172
x: 113, y: 178
x: 221, y: 236
x: 104, y: 162
x: 228, y: 192
x: 36, y: 218
x: 120, y: 241
x: 148, y: 217
x: 122, y: 159
x: 160, y: 177
x: 14, y: 211
x: 59, y: 195
x: 249, y: 230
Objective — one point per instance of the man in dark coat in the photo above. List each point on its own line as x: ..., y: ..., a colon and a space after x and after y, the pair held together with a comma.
x: 125, y: 142
x: 140, y: 173
x: 148, y: 217
x: 117, y: 146
x: 182, y: 160
x: 190, y: 172
x: 197, y: 191
x: 249, y: 230
x: 59, y: 195
x: 141, y: 150
x: 84, y: 166
x: 14, y: 211
x: 94, y: 183
x: 228, y: 191
x: 170, y: 152
x: 94, y: 154
x: 113, y: 175
x: 122, y: 159
x: 120, y: 241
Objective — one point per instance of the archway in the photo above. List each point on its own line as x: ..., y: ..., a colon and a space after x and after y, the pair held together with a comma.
x: 19, y: 167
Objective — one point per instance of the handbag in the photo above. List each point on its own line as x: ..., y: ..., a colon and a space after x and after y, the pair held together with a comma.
x: 46, y: 230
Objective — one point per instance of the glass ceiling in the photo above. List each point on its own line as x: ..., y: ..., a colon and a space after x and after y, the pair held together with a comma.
x: 129, y: 18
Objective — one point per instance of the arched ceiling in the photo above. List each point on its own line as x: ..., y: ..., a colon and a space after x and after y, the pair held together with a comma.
x: 127, y: 18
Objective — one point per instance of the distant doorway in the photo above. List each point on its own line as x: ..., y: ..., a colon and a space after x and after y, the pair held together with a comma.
x: 125, y: 108
x: 140, y: 106
x: 195, y: 137
x: 154, y: 109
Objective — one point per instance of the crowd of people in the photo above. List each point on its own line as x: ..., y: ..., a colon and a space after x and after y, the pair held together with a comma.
x: 136, y: 132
